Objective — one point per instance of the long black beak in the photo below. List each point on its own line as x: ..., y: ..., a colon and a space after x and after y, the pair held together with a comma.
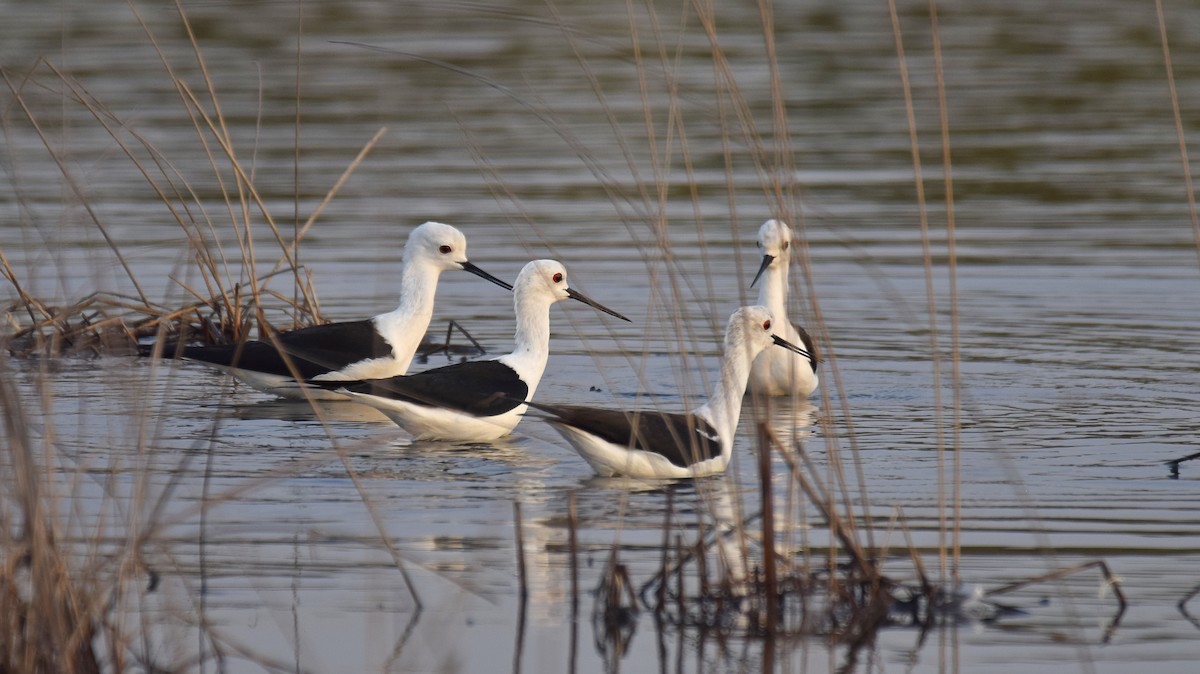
x: 576, y: 295
x: 467, y: 266
x: 791, y: 347
x: 767, y: 260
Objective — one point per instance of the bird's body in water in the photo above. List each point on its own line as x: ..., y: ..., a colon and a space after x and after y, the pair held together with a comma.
x: 479, y: 400
x: 382, y: 346
x: 654, y: 445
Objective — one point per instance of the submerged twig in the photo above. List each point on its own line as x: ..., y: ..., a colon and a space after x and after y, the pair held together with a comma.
x: 1110, y: 579
x: 614, y: 615
x: 520, y: 540
x: 1173, y: 465
x: 573, y: 551
x: 1182, y: 606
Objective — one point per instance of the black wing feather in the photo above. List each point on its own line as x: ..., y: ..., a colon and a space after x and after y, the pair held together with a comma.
x: 254, y: 355
x: 314, y: 351
x: 336, y: 345
x: 682, y: 439
x: 809, y: 345
x: 482, y: 388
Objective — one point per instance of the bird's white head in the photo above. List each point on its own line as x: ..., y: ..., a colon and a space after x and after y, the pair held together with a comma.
x: 775, y: 244
x: 546, y: 280
x: 437, y: 244
x: 440, y: 247
x: 540, y: 284
x: 752, y: 329
x: 749, y: 330
x: 775, y: 239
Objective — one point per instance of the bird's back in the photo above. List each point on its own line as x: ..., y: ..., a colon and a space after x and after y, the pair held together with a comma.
x: 313, y: 351
x: 682, y: 439
x: 480, y: 388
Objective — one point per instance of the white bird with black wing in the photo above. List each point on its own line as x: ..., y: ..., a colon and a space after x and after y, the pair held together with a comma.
x: 652, y: 444
x: 478, y: 400
x: 382, y: 346
x: 779, y: 373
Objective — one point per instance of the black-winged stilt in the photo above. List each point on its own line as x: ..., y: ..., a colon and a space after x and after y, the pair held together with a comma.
x: 382, y: 346
x: 778, y: 373
x: 478, y: 400
x: 651, y: 444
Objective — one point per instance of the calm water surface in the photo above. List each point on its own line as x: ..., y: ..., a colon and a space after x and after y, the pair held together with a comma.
x: 1076, y: 306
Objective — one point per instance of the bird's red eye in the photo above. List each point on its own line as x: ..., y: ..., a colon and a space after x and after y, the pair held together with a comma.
x: 766, y: 325
x: 558, y: 278
x: 445, y: 250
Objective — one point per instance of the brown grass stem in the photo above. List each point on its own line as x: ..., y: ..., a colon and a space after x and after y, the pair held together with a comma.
x: 927, y: 259
x: 952, y: 283
x: 76, y: 189
x: 298, y: 83
x: 1181, y: 137
x: 770, y: 579
x: 48, y: 617
x: 820, y: 497
x: 332, y: 192
x: 665, y: 563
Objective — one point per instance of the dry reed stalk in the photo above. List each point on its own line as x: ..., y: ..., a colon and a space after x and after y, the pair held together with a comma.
x: 664, y: 565
x: 48, y: 619
x: 680, y: 587
x: 927, y: 258
x: 522, y: 579
x: 766, y: 494
x: 952, y: 283
x: 1181, y: 137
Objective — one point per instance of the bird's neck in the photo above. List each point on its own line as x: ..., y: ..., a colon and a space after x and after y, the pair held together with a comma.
x: 532, y: 341
x: 418, y: 285
x: 724, y: 407
x: 405, y: 326
x: 774, y: 290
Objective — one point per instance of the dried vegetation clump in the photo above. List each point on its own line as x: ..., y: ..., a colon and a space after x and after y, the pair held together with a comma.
x: 50, y: 613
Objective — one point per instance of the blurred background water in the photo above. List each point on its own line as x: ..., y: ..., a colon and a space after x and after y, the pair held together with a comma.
x: 525, y: 124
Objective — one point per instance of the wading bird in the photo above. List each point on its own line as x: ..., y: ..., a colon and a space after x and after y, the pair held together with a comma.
x: 779, y: 373
x: 478, y: 400
x: 651, y: 444
x: 382, y: 346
